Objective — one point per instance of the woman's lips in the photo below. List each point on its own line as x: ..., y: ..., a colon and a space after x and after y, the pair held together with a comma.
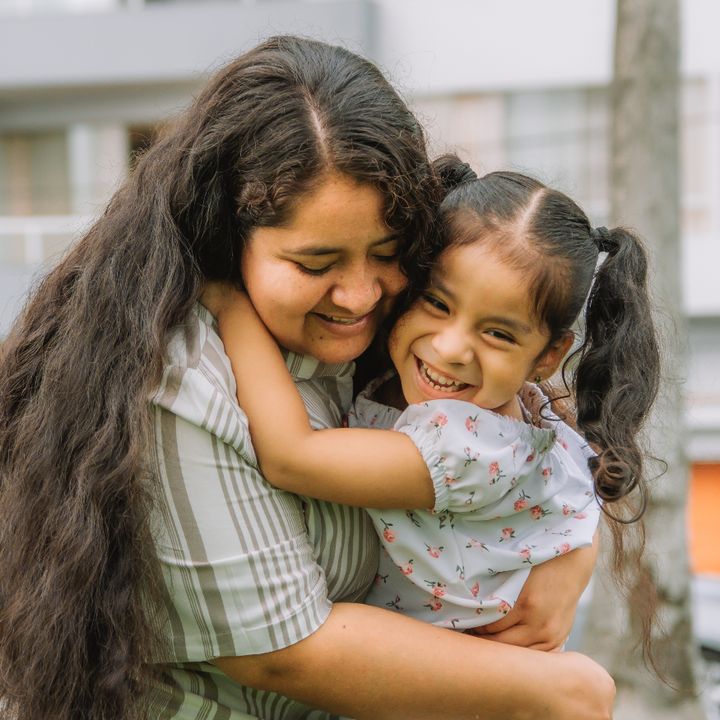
x: 343, y: 324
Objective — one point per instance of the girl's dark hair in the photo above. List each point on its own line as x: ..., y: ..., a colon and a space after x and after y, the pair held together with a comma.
x: 80, y: 594
x: 614, y: 374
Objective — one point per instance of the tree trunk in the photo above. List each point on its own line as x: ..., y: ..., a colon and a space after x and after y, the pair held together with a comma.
x: 644, y: 194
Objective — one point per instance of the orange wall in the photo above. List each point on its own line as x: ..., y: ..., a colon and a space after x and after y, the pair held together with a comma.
x: 704, y: 520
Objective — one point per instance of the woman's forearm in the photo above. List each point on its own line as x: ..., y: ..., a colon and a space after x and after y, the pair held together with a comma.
x: 368, y: 663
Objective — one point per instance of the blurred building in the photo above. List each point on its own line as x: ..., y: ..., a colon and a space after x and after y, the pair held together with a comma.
x: 507, y: 83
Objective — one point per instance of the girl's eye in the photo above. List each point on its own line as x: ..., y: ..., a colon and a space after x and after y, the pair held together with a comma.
x: 312, y: 271
x: 501, y: 335
x: 435, y: 303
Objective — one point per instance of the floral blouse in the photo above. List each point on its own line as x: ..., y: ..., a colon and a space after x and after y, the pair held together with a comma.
x: 509, y: 495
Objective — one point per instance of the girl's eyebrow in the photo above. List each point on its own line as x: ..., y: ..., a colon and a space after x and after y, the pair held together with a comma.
x: 315, y: 250
x: 516, y: 325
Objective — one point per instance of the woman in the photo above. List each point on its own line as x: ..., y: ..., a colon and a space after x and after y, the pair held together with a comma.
x: 143, y: 551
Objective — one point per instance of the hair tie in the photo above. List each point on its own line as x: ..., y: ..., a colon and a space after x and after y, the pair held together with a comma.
x: 601, y: 237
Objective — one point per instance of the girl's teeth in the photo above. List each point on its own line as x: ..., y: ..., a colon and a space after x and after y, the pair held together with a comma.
x: 440, y: 382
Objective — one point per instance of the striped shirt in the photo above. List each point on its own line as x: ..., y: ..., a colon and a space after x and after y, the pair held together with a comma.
x: 247, y: 568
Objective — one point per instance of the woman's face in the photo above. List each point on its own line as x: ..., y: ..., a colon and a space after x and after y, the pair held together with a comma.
x: 323, y: 282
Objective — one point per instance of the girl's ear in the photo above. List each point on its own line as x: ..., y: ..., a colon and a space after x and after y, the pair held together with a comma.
x: 549, y: 361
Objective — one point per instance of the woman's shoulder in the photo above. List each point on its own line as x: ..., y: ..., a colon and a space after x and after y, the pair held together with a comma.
x: 197, y: 382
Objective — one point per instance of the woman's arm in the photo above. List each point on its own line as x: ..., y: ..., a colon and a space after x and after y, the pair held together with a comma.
x: 368, y: 663
x: 340, y: 465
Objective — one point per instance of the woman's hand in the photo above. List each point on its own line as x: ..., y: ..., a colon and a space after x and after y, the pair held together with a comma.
x: 545, y: 610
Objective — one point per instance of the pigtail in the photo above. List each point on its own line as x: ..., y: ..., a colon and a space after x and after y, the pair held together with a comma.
x: 617, y: 376
x: 452, y: 171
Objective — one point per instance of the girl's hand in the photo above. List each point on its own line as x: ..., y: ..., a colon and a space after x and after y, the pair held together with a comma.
x: 545, y: 610
x: 218, y: 297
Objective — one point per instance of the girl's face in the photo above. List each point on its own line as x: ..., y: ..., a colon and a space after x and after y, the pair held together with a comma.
x: 323, y: 282
x: 473, y: 335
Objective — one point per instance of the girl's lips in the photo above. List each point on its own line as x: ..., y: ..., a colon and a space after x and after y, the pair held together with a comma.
x: 431, y: 388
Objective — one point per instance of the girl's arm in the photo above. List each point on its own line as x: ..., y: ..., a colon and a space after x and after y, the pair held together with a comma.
x: 368, y: 663
x: 365, y: 468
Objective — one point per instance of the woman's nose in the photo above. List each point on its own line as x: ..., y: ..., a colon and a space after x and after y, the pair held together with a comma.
x: 453, y: 345
x: 357, y: 292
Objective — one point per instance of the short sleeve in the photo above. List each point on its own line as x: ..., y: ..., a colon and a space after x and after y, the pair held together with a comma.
x: 475, y: 457
x: 238, y: 567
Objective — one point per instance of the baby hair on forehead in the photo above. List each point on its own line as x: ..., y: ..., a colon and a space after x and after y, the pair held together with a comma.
x: 549, y: 238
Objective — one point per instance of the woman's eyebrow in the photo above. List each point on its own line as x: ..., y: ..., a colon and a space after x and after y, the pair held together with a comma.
x: 315, y: 250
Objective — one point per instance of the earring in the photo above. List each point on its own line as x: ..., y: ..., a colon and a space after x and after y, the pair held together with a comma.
x: 538, y: 379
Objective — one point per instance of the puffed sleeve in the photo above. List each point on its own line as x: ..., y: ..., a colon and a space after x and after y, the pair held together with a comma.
x: 238, y: 567
x: 475, y: 456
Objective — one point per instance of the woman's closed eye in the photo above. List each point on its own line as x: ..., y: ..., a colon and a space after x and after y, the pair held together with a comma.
x: 313, y: 270
x: 387, y: 258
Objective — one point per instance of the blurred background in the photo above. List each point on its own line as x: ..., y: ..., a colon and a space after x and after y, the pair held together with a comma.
x: 84, y: 85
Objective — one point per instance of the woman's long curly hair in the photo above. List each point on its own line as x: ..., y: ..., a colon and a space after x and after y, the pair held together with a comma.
x: 80, y: 585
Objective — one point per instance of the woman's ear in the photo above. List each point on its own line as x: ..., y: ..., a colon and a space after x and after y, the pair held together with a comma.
x: 550, y: 360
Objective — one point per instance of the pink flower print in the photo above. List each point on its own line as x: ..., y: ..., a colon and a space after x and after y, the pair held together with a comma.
x: 546, y: 473
x: 562, y: 549
x: 438, y: 420
x: 537, y: 512
x: 495, y: 473
x: 473, y: 543
x: 525, y: 555
x: 522, y: 502
x: 470, y: 457
x: 395, y: 604
x: 438, y: 591
x: 530, y: 457
x: 388, y: 532
x: 580, y: 516
x: 407, y: 568
x: 449, y: 480
x: 504, y: 607
x: 563, y: 444
x: 567, y: 510
x: 380, y: 579
x: 434, y: 604
x: 507, y: 533
x: 433, y: 551
x: 475, y: 589
x: 471, y: 424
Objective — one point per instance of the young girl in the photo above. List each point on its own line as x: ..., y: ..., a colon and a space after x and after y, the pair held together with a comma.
x: 509, y: 485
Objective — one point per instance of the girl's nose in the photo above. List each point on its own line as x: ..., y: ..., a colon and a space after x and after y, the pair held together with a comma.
x: 453, y: 346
